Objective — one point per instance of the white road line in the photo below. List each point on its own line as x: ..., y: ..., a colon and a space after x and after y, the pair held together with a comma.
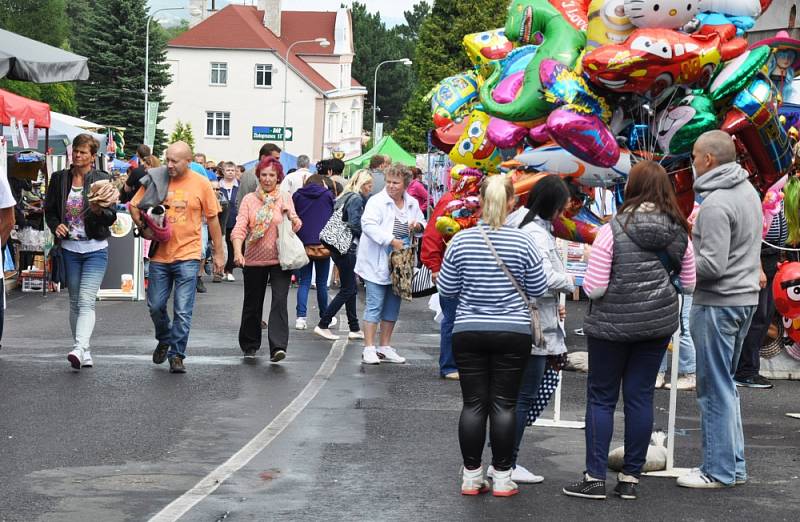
x: 180, y: 506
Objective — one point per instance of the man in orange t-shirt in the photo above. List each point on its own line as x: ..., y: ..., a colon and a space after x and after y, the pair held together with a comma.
x: 177, y: 261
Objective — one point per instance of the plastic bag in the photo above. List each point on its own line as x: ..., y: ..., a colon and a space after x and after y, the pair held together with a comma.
x: 291, y: 252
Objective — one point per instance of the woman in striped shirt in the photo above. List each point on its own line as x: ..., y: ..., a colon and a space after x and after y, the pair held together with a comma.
x: 492, y: 331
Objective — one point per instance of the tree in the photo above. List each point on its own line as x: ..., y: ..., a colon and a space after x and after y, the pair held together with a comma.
x: 173, y: 31
x: 114, y: 94
x: 182, y: 133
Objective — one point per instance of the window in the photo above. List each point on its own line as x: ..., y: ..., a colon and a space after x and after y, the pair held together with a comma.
x: 263, y: 75
x: 218, y: 124
x: 219, y: 73
x: 354, y: 123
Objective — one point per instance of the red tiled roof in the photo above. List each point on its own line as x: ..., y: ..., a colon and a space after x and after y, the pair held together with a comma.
x: 354, y: 83
x: 241, y: 27
x: 308, y: 25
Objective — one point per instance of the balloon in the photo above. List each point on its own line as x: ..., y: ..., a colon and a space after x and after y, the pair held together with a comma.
x: 608, y: 23
x: 735, y: 7
x: 741, y: 23
x: 486, y: 46
x: 791, y: 328
x: 474, y: 149
x: 505, y: 134
x: 453, y: 97
x: 738, y: 73
x: 772, y: 204
x: 563, y: 24
x: 508, y: 88
x: 785, y: 63
x: 678, y: 127
x: 667, y: 14
x: 557, y: 160
x: 572, y: 229
x: 445, y: 137
x: 786, y: 289
x: 651, y: 60
x: 447, y: 226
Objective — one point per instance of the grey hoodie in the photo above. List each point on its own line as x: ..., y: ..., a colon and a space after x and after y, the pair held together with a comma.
x: 727, y: 238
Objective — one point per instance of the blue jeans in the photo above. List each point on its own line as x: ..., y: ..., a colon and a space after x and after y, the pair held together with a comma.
x: 183, y: 275
x: 686, y: 358
x: 528, y: 390
x: 348, y: 292
x: 382, y: 304
x: 447, y: 363
x: 635, y: 366
x: 304, y: 279
x: 719, y: 333
x: 85, y: 272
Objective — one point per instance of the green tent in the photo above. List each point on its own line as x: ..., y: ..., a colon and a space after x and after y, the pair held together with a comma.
x: 386, y: 147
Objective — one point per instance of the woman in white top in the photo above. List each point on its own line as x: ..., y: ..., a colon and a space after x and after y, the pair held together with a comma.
x: 390, y: 219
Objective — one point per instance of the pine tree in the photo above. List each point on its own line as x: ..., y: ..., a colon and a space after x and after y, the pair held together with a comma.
x: 182, y: 133
x: 114, y: 94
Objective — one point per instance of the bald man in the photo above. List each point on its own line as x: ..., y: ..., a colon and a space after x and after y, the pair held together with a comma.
x: 726, y: 237
x: 176, y: 262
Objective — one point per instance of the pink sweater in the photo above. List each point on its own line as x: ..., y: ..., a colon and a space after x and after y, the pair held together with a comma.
x: 263, y: 252
x: 598, y: 271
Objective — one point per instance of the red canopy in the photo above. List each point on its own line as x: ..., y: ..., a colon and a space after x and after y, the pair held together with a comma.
x: 23, y: 109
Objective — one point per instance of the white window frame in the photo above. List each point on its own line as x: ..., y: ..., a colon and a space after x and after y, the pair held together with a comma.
x: 219, y: 118
x: 218, y: 67
x: 267, y: 68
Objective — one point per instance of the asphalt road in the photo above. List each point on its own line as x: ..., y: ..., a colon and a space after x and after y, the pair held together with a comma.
x: 125, y: 439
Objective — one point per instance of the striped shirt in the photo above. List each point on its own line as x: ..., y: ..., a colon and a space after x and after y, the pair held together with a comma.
x: 778, y: 231
x: 487, y: 300
x: 598, y: 272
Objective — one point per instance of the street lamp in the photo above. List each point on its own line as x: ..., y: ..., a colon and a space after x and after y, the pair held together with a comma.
x: 323, y: 42
x: 404, y: 61
x: 193, y: 12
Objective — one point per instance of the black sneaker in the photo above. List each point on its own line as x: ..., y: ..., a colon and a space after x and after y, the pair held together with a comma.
x: 176, y: 365
x: 250, y: 353
x: 756, y: 381
x: 160, y: 353
x: 595, y: 489
x: 626, y: 490
x: 278, y: 355
x: 201, y: 287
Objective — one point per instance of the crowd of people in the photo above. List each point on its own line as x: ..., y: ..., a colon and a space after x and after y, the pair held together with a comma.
x: 650, y: 273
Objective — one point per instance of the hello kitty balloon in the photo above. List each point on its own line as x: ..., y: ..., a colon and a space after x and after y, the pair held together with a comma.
x: 666, y: 14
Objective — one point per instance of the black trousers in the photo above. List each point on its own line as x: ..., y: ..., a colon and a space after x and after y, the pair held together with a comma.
x: 255, y: 288
x: 490, y: 365
x: 229, y: 266
x: 750, y: 360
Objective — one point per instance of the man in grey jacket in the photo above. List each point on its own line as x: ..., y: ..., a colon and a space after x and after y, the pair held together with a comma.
x: 726, y: 240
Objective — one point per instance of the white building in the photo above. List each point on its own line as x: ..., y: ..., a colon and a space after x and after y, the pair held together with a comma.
x: 781, y: 15
x: 228, y: 73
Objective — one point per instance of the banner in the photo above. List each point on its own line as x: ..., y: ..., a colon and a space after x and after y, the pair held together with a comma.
x: 150, y: 128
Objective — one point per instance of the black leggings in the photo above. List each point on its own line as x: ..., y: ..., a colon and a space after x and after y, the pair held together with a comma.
x: 229, y: 265
x: 490, y: 365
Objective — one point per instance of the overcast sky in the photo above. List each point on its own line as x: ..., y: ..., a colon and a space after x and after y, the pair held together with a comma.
x: 391, y: 10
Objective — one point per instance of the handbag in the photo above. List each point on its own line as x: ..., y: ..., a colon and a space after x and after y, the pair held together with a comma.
x: 336, y: 233
x: 401, y: 265
x: 317, y: 252
x: 533, y: 310
x: 291, y: 252
x: 422, y: 283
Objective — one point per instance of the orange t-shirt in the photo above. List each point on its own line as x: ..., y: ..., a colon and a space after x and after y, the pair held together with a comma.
x: 189, y: 198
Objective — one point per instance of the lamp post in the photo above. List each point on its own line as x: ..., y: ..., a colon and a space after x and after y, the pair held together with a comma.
x: 323, y: 42
x: 147, y: 60
x: 404, y: 61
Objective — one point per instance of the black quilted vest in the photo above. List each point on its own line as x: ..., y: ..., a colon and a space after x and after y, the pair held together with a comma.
x: 640, y: 302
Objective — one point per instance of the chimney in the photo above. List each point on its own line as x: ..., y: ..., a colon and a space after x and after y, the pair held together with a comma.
x: 272, y: 15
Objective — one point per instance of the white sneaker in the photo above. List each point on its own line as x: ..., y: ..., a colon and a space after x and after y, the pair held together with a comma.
x: 521, y: 475
x: 325, y: 333
x: 659, y: 380
x: 87, y: 360
x: 370, y: 355
x: 75, y: 357
x: 472, y: 482
x: 229, y: 277
x: 300, y: 324
x: 687, y: 382
x: 334, y: 322
x: 502, y: 485
x: 699, y: 480
x: 354, y: 336
x: 388, y: 354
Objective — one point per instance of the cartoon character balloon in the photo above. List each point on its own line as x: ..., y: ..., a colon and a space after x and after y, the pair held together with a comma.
x: 486, y: 46
x: 474, y: 148
x: 735, y: 7
x: 668, y: 14
x: 453, y: 97
x: 791, y: 328
x: 678, y: 127
x: 786, y: 289
x: 608, y: 23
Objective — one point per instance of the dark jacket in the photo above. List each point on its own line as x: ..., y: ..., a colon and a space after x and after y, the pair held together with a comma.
x: 314, y: 205
x: 60, y: 184
x: 233, y: 208
x: 640, y: 302
x: 134, y: 180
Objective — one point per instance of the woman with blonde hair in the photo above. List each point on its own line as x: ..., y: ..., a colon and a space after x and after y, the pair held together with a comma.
x: 352, y: 202
x: 493, y: 270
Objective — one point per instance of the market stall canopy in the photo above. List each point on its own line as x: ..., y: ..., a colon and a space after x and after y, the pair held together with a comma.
x: 61, y: 136
x: 30, y: 61
x: 385, y: 147
x: 23, y: 109
x: 76, y: 122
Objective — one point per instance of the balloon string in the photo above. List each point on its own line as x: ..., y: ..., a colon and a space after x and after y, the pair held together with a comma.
x: 786, y: 249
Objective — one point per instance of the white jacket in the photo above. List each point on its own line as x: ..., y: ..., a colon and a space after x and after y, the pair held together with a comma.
x: 377, y: 222
x: 295, y: 181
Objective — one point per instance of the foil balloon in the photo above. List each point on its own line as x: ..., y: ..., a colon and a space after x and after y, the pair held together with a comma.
x: 772, y: 204
x: 652, y: 60
x: 563, y: 24
x: 444, y: 138
x: 574, y: 229
x: 736, y: 74
x: 557, y: 160
x: 447, y: 226
x: 678, y: 127
x: 791, y: 328
x: 508, y: 88
x: 474, y: 148
x: 741, y: 24
x: 453, y: 97
x: 786, y: 289
x: 735, y: 7
x: 466, y: 181
x: 505, y: 134
x: 487, y: 46
x: 608, y: 23
x: 668, y: 14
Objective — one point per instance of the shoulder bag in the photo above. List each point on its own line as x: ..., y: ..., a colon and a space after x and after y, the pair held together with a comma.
x: 533, y: 310
x: 291, y: 252
x: 336, y: 233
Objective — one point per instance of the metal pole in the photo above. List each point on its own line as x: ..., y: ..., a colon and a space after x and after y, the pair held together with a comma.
x: 405, y: 61
x: 146, y: 72
x: 322, y: 42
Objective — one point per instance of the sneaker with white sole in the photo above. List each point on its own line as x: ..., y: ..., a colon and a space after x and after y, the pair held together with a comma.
x: 389, y: 355
x: 334, y: 322
x: 588, y: 487
x: 659, y: 380
x: 229, y: 277
x: 300, y: 324
x: 698, y: 479
x: 686, y: 382
x: 370, y: 355
x: 75, y: 357
x: 472, y: 481
x: 325, y: 333
x: 87, y: 360
x: 520, y: 475
x: 354, y: 336
x: 502, y: 485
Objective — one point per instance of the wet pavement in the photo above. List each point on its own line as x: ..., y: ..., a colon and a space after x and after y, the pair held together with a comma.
x: 125, y: 439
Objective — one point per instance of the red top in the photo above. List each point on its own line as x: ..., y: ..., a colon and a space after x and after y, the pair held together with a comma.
x: 433, y: 244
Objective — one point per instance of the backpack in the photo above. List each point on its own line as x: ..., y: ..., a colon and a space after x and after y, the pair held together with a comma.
x: 336, y: 233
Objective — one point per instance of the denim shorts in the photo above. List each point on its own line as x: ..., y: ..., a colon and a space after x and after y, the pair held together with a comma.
x: 382, y: 304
